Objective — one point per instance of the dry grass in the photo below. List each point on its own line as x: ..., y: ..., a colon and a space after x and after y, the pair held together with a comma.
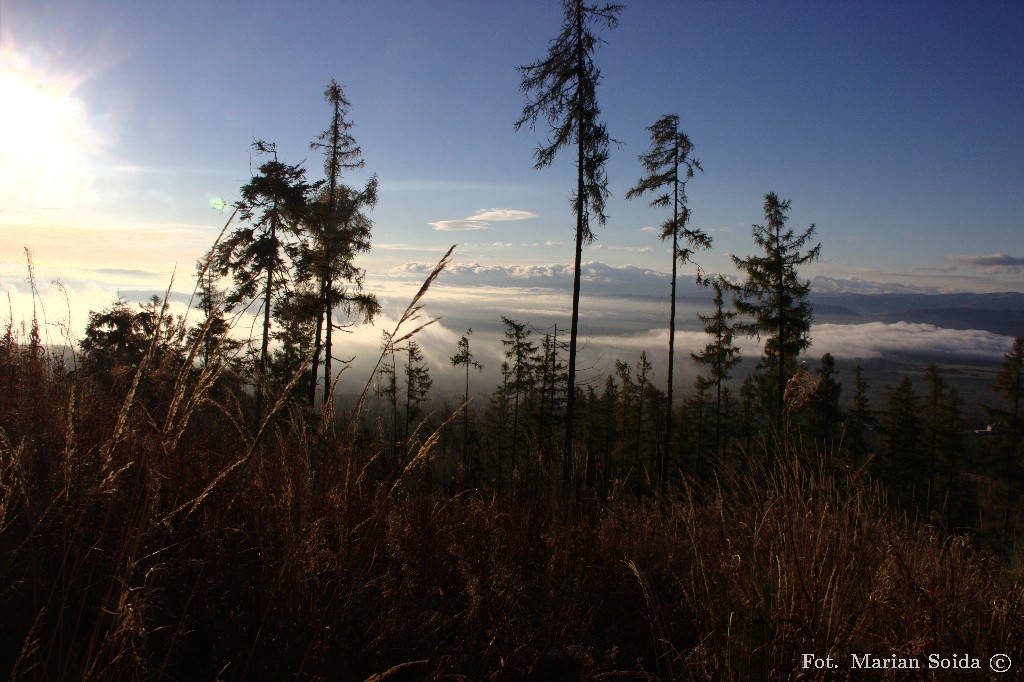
x: 147, y: 542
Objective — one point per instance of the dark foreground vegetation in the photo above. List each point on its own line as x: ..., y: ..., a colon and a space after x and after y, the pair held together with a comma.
x: 146, y: 532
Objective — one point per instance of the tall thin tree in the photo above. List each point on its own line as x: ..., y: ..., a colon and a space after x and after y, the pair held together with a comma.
x: 669, y: 165
x: 720, y: 355
x: 1010, y: 383
x: 343, y: 226
x: 561, y: 90
x: 465, y: 358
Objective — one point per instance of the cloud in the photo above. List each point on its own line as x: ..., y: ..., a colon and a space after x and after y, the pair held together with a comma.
x: 997, y: 263
x: 649, y: 228
x: 501, y: 214
x: 482, y: 219
x: 878, y: 339
x: 459, y: 225
x: 600, y: 279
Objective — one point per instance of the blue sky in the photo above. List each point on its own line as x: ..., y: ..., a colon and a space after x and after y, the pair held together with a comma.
x: 895, y: 127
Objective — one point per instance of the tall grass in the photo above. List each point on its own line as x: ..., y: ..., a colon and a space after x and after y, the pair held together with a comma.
x: 163, y: 540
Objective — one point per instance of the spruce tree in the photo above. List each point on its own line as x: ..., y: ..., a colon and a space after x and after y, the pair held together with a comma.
x: 824, y: 415
x: 860, y: 419
x: 1010, y: 385
x: 774, y: 297
x: 340, y: 230
x: 561, y: 90
x: 273, y: 204
x: 464, y: 357
x: 720, y: 355
x: 669, y: 165
x: 519, y: 350
x: 417, y: 385
x: 901, y: 422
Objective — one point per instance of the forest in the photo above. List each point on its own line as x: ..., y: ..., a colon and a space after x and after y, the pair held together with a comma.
x: 183, y: 498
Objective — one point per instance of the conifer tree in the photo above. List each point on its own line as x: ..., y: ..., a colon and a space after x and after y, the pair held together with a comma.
x: 720, y: 355
x: 643, y: 372
x: 773, y: 295
x: 417, y: 384
x: 933, y: 422
x: 340, y: 230
x: 465, y: 358
x: 213, y: 303
x: 903, y: 428
x: 272, y: 205
x: 519, y: 350
x: 551, y: 371
x: 860, y: 420
x: 1010, y: 384
x: 388, y: 386
x: 669, y: 165
x: 824, y: 414
x: 561, y: 90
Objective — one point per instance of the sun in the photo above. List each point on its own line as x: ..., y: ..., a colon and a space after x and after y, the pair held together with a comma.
x: 46, y: 140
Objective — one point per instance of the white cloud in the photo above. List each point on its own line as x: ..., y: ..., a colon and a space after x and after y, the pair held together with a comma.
x: 649, y: 228
x: 459, y: 225
x: 482, y: 219
x: 878, y: 339
x: 501, y: 214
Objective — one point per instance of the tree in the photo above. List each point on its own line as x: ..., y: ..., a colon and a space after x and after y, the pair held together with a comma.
x: 210, y: 338
x: 902, y: 426
x: 465, y: 358
x: 340, y: 230
x: 562, y: 90
x: 695, y: 411
x: 720, y: 355
x: 1010, y: 384
x: 273, y: 202
x: 121, y: 341
x: 643, y: 371
x: 860, y: 419
x: 774, y: 297
x: 934, y: 421
x: 551, y: 371
x: 519, y: 350
x: 417, y: 385
x: 824, y: 416
x: 670, y: 153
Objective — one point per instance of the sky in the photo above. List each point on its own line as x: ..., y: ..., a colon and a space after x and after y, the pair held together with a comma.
x: 894, y: 127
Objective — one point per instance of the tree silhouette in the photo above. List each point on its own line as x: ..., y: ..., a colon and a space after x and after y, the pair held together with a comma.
x: 901, y: 423
x: 562, y: 91
x: 669, y: 165
x: 340, y: 230
x: 519, y: 350
x: 720, y: 355
x: 1010, y: 383
x: 824, y: 416
x: 465, y: 358
x: 417, y: 384
x: 773, y: 295
x: 273, y: 203
x: 861, y: 418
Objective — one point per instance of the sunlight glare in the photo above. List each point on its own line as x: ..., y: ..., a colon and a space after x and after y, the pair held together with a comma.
x: 46, y: 141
